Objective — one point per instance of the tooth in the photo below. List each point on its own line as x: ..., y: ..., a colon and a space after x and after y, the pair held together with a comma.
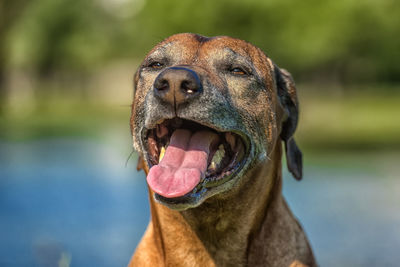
x: 161, y: 154
x: 213, y: 166
x: 230, y: 138
x: 218, y: 156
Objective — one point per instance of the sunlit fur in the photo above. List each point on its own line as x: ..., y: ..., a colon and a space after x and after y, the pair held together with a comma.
x: 245, y: 222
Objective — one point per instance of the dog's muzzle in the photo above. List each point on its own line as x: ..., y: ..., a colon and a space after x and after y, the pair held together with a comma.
x: 190, y: 156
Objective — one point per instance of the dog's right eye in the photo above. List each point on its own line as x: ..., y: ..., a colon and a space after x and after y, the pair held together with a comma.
x: 238, y: 71
x: 156, y: 65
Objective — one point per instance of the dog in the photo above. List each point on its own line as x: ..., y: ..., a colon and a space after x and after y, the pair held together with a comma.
x: 211, y: 118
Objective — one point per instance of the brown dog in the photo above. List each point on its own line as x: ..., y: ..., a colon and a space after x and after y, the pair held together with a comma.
x: 208, y: 118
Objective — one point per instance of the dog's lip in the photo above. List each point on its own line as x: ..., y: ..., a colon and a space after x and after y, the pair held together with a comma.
x: 206, y: 183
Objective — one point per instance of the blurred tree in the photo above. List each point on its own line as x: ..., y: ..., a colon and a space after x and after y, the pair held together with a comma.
x: 343, y: 41
x: 62, y: 41
x: 337, y: 41
x: 51, y: 35
x: 10, y: 10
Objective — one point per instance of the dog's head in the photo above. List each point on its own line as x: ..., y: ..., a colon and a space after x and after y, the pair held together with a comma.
x: 215, y: 107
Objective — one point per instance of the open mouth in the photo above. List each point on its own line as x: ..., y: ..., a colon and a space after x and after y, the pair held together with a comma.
x: 186, y: 159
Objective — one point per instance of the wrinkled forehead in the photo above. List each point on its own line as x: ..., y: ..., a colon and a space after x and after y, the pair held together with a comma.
x: 190, y: 48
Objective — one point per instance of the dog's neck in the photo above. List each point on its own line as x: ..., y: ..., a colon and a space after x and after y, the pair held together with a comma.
x: 221, y: 228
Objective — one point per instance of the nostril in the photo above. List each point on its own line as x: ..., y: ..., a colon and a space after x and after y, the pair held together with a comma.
x: 161, y: 85
x: 189, y: 87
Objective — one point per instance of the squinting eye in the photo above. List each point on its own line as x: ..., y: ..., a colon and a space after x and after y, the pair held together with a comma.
x: 156, y: 65
x: 238, y: 71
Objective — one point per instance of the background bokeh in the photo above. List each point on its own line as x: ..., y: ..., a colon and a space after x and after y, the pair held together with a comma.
x: 69, y: 191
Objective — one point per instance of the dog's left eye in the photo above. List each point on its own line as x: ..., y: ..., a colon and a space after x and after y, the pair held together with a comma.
x: 238, y: 71
x: 156, y: 65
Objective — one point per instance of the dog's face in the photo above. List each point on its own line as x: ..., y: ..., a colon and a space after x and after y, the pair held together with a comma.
x: 215, y: 107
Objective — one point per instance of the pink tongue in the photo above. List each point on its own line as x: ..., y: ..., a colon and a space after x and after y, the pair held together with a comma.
x: 183, y: 165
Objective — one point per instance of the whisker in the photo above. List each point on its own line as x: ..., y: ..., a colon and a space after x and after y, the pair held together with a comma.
x: 129, y: 157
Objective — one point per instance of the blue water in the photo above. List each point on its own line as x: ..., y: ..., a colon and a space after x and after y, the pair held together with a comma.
x: 75, y: 201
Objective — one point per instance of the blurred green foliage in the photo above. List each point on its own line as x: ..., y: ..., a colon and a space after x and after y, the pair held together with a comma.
x: 335, y: 40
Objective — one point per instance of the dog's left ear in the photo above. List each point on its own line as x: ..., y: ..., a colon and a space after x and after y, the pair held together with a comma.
x: 288, y: 99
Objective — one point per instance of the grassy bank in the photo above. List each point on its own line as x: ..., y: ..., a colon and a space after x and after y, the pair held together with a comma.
x: 349, y: 119
x: 66, y: 118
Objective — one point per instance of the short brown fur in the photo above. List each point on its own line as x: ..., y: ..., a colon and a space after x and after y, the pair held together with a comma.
x: 250, y: 224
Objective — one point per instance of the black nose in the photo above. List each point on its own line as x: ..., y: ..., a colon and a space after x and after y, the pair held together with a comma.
x: 177, y: 85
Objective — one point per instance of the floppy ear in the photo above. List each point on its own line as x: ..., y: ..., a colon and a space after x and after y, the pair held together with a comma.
x: 288, y: 99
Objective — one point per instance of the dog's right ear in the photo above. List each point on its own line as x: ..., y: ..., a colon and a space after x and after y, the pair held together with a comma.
x: 288, y: 99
